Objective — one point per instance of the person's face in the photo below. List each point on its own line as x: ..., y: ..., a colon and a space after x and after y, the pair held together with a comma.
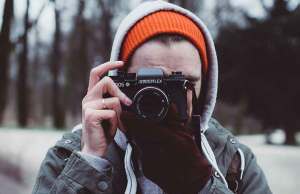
x: 178, y: 56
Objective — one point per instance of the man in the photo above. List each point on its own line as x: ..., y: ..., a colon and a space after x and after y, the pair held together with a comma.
x: 113, y: 151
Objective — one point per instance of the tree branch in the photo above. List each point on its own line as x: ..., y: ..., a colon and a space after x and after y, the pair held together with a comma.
x: 266, y: 8
x: 32, y: 24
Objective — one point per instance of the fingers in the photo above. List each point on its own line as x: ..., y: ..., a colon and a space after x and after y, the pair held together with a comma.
x: 104, y: 103
x: 94, y: 118
x: 97, y: 72
x: 107, y: 86
x: 99, y: 126
x: 100, y: 115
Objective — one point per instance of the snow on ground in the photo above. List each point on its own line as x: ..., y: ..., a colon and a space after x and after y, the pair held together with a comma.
x: 27, y: 148
x: 281, y: 164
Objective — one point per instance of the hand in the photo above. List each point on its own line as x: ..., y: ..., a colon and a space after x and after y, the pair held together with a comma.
x: 100, y: 116
x: 168, y: 153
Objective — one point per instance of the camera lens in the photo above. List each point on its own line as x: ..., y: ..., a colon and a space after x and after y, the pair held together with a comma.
x: 151, y: 103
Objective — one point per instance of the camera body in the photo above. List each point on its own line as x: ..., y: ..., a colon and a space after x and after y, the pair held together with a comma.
x: 152, y: 92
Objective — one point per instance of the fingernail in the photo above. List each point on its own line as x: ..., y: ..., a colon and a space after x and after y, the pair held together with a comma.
x: 128, y: 102
x: 120, y: 62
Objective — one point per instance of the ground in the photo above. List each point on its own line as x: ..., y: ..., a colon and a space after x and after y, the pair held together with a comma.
x: 25, y: 150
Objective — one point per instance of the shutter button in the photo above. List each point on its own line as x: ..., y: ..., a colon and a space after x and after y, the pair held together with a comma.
x: 68, y: 141
x: 102, y: 185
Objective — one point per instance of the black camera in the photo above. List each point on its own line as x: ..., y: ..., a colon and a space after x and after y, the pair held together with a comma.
x: 153, y: 92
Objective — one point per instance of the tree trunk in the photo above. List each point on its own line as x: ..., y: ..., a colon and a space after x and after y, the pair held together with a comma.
x: 5, y: 48
x: 290, y: 137
x: 106, y: 20
x: 58, y: 110
x: 83, y: 52
x: 280, y: 8
x: 22, y: 85
x: 78, y: 65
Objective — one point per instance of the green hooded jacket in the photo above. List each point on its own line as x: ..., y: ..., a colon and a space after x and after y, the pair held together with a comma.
x: 65, y: 171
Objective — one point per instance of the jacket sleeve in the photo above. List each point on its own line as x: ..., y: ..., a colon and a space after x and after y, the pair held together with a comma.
x: 254, y: 179
x: 215, y: 186
x: 65, y: 171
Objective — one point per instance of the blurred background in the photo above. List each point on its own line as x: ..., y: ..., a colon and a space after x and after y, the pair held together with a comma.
x: 47, y: 48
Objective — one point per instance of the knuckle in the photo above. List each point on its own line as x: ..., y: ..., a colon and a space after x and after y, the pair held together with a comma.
x: 104, y: 79
x: 107, y: 83
x: 113, y: 114
x: 117, y: 102
x: 103, y: 82
x: 114, y: 103
x: 107, y: 79
x: 83, y: 101
x: 84, y: 107
x: 93, y: 71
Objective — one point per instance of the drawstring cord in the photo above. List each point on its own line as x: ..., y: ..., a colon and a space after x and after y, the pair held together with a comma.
x: 200, y: 138
x: 131, y: 187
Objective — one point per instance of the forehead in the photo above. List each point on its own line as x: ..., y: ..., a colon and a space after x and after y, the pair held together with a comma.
x: 176, y: 56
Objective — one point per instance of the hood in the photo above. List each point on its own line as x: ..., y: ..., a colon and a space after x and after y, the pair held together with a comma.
x: 149, y: 7
x: 211, y: 81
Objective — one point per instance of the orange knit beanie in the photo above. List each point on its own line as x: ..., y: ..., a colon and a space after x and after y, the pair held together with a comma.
x: 164, y: 22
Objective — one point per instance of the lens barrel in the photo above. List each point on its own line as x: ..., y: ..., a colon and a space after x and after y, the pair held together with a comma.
x: 151, y: 103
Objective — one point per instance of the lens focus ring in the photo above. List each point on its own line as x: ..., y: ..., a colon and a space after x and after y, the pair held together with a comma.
x: 151, y: 103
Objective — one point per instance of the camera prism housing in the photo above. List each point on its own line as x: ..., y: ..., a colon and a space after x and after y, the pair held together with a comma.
x: 152, y: 92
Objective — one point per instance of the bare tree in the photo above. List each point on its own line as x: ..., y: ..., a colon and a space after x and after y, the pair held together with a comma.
x: 279, y: 8
x: 253, y: 70
x: 5, y: 48
x: 78, y: 63
x: 23, y: 89
x: 22, y: 85
x: 58, y: 109
x: 106, y: 8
